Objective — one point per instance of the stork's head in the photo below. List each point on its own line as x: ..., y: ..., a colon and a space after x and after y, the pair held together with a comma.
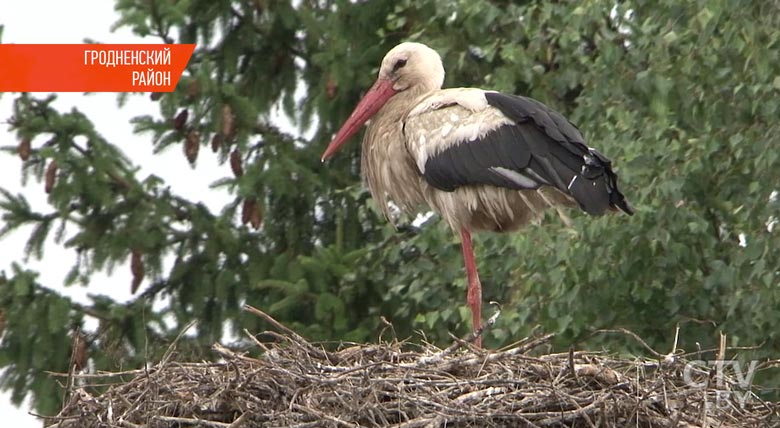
x: 412, y: 64
x: 408, y: 66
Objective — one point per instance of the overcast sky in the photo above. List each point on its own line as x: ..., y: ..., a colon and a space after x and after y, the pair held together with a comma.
x: 56, y: 21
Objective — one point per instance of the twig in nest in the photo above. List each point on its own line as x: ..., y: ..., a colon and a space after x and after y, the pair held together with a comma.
x: 669, y: 358
x: 458, y: 343
x: 297, y: 339
x: 387, y: 325
x: 323, y: 416
x: 194, y: 422
x: 71, y: 366
x: 571, y: 365
x: 169, y: 352
x: 632, y: 334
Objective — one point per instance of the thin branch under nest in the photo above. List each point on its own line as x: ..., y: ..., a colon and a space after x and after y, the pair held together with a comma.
x: 299, y: 384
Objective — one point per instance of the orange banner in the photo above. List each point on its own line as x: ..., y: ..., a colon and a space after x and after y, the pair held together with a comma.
x: 92, y: 67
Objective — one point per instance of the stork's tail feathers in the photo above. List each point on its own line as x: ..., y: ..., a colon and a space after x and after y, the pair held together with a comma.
x: 559, y: 156
x: 595, y: 187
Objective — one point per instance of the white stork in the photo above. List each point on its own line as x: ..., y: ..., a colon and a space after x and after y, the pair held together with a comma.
x: 481, y: 159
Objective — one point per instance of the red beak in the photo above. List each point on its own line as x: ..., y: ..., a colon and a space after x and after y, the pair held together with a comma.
x: 374, y: 99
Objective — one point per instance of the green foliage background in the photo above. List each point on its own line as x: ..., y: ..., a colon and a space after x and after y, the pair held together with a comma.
x: 682, y: 95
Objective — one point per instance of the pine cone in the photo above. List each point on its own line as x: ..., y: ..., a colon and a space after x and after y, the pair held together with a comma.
x: 51, y: 176
x: 216, y: 142
x: 137, y: 269
x: 256, y: 217
x: 228, y: 121
x: 180, y: 120
x: 246, y: 210
x: 24, y: 148
x: 192, y: 146
x: 236, y: 164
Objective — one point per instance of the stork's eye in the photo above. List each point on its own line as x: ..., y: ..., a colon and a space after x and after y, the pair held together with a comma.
x: 398, y: 65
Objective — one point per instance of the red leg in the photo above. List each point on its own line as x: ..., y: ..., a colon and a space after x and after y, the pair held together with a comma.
x: 474, y: 293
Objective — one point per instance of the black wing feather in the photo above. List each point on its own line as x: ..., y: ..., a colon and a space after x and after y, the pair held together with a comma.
x: 541, y: 148
x: 468, y: 164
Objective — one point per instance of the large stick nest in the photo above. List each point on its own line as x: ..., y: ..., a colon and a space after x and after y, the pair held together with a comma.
x: 295, y: 383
